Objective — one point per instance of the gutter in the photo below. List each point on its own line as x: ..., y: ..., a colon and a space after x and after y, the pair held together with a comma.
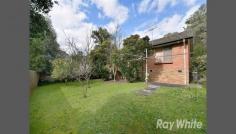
x: 169, y: 43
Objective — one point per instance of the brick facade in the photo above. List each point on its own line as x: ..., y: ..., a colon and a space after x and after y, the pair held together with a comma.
x: 175, y: 72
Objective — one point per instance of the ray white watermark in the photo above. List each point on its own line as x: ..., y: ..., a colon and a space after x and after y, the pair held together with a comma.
x: 179, y: 124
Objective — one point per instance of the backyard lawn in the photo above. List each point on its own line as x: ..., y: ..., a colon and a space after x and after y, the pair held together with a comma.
x: 113, y: 108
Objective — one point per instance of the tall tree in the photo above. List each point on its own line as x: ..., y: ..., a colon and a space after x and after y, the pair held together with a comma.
x: 132, y: 57
x: 43, y: 45
x: 43, y: 49
x: 38, y: 23
x: 100, y: 35
x: 43, y: 6
x: 115, y: 46
x: 101, y: 53
x: 197, y: 24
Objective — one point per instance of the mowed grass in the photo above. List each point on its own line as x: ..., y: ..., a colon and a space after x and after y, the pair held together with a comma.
x: 113, y: 108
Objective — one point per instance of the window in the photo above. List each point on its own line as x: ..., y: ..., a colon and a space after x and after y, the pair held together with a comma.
x: 167, y: 55
x: 159, y: 56
x: 164, y: 55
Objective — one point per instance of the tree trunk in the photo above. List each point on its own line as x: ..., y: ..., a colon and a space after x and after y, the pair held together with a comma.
x: 115, y: 75
x: 86, y: 87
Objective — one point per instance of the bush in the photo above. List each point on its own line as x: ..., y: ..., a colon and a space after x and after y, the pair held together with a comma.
x: 61, y: 69
x: 199, y: 60
x: 105, y: 74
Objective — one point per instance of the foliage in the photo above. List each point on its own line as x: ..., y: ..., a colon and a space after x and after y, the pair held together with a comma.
x: 100, y: 55
x: 67, y: 68
x: 113, y: 108
x: 100, y: 35
x: 199, y: 60
x: 42, y: 51
x: 114, y: 57
x: 43, y: 45
x: 115, y: 62
x: 61, y: 69
x: 38, y: 23
x: 132, y: 57
x: 37, y: 55
x: 197, y: 24
x: 43, y: 6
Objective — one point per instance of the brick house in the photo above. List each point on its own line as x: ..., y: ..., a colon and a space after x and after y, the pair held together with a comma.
x: 169, y: 61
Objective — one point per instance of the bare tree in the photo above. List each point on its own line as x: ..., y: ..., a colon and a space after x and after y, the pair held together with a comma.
x: 86, y: 66
x: 81, y: 65
x: 75, y: 55
x: 117, y: 37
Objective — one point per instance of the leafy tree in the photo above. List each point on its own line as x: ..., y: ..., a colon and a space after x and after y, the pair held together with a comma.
x: 114, y: 52
x: 100, y: 55
x: 43, y: 48
x: 37, y: 55
x: 132, y: 57
x: 197, y: 24
x: 43, y: 6
x: 43, y: 45
x: 199, y: 60
x: 38, y: 23
x: 100, y: 35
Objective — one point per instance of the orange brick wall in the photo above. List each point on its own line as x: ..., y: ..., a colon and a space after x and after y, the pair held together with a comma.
x: 169, y: 72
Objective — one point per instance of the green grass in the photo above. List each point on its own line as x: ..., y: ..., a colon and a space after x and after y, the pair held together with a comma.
x: 113, y: 108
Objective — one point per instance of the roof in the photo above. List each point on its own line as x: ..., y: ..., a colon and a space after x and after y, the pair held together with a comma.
x: 172, y: 38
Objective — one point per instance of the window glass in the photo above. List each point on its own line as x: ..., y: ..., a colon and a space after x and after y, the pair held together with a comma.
x: 159, y: 56
x: 167, y: 52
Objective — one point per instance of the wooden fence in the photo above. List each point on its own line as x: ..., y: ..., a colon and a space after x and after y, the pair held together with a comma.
x: 34, y: 78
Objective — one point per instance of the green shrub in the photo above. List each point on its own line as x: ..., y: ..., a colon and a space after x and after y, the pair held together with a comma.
x: 61, y: 69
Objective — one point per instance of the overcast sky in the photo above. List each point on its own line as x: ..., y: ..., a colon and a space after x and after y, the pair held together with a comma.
x: 77, y: 17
